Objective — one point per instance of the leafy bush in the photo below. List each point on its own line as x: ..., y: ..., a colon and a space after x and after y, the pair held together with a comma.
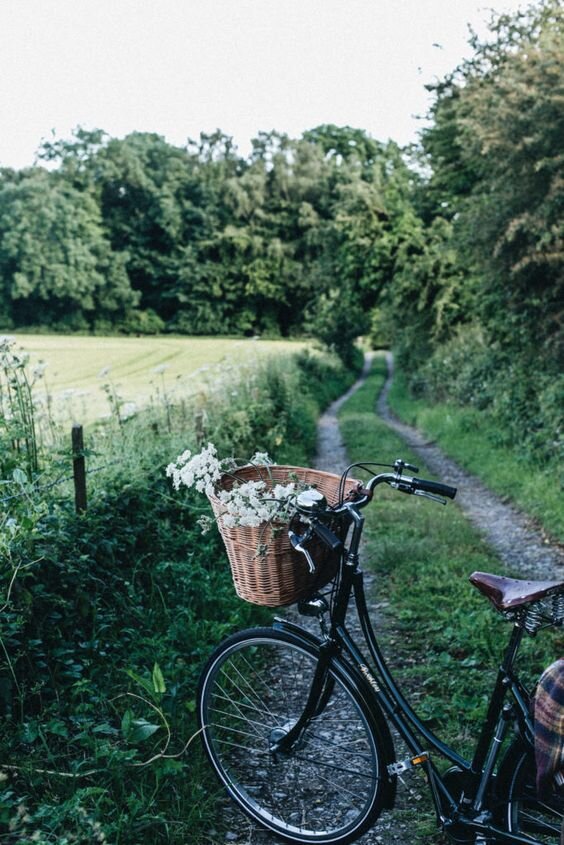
x: 523, y: 403
x: 337, y: 322
x: 142, y: 322
x: 109, y: 615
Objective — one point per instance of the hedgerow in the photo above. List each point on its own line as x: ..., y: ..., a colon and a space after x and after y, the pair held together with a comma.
x: 109, y: 614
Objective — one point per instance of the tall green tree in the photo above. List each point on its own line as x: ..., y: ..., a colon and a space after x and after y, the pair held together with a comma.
x: 56, y: 264
x: 496, y: 152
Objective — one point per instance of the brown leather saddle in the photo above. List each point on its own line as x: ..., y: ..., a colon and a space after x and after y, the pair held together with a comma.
x: 509, y: 593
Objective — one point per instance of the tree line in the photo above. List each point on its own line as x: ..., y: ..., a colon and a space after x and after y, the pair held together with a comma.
x: 484, y: 293
x: 451, y: 251
x: 140, y: 235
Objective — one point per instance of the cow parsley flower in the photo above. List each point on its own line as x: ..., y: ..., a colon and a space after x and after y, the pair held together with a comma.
x: 262, y: 459
x: 244, y: 503
x: 200, y: 471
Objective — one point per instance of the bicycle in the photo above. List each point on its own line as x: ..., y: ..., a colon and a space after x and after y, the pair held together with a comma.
x: 297, y: 726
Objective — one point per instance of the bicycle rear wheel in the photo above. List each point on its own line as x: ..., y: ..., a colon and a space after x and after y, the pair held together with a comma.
x: 524, y: 812
x: 328, y: 788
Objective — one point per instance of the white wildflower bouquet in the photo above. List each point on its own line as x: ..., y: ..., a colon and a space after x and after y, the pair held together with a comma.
x: 247, y: 503
x: 253, y: 505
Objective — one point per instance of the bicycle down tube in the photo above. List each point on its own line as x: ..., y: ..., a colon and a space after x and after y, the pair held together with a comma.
x: 401, y: 715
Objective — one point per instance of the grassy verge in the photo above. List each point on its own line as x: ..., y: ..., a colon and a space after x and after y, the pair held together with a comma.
x: 442, y: 639
x: 472, y: 438
x: 109, y: 615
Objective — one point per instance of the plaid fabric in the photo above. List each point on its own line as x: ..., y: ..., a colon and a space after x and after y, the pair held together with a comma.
x: 549, y: 726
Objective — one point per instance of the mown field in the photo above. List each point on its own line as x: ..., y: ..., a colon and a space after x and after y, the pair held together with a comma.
x: 78, y: 367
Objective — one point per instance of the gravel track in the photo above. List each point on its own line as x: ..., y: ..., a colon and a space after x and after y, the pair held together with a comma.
x: 511, y: 534
x: 518, y: 543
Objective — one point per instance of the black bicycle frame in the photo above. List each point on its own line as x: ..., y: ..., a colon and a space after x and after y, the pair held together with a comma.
x: 499, y: 714
x: 382, y: 689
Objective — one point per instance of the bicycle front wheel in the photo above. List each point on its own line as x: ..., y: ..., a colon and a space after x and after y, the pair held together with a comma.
x: 525, y: 813
x: 328, y: 787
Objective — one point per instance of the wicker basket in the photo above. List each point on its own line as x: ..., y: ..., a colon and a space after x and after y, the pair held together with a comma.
x: 280, y: 576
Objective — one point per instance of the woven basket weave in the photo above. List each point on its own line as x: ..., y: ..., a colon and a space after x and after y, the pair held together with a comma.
x: 281, y: 575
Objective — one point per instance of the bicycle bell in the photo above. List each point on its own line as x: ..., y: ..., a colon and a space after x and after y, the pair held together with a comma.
x: 311, y: 501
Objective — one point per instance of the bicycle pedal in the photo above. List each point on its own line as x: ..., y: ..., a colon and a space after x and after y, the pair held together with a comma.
x: 401, y: 766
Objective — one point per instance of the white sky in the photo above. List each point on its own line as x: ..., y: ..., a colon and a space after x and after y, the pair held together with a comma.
x: 178, y: 67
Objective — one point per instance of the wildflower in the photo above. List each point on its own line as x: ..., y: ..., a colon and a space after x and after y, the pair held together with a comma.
x: 127, y: 410
x: 189, y: 470
x: 261, y: 459
x: 12, y: 526
x: 246, y: 503
x: 205, y: 522
x: 38, y: 370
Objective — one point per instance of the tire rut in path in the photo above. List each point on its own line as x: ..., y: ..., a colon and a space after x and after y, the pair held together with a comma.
x: 331, y: 453
x: 509, y: 532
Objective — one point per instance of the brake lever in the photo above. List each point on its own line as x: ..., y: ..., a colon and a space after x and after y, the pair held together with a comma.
x: 296, y: 542
x: 400, y: 465
x: 404, y: 485
x: 432, y: 496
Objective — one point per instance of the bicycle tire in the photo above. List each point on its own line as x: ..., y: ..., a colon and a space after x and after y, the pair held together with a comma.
x: 328, y: 790
x: 523, y: 811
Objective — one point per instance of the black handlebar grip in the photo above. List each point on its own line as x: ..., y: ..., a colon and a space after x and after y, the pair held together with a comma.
x: 327, y: 536
x: 434, y: 487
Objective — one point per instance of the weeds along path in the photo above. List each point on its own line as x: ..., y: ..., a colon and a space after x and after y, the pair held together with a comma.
x: 511, y: 534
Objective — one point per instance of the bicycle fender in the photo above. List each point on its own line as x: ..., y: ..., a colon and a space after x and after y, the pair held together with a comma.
x: 366, y: 693
x: 517, y: 747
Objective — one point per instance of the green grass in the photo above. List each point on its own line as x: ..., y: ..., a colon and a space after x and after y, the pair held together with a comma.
x: 472, y: 438
x: 442, y: 639
x: 138, y: 368
x: 94, y: 601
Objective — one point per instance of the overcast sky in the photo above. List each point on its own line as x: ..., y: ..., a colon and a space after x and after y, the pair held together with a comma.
x: 178, y: 67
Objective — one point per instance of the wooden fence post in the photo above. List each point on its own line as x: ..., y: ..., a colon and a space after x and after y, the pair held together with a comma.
x: 199, y: 426
x: 78, y: 468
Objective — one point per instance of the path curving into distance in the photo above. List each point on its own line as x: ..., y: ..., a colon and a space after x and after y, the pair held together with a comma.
x: 331, y: 454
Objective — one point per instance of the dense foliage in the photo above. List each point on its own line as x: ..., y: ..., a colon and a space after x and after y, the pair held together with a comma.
x: 108, y: 615
x: 199, y: 240
x: 475, y: 305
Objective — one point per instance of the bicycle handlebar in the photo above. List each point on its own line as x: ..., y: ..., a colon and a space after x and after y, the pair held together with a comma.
x: 361, y: 496
x: 435, y: 487
x: 406, y: 484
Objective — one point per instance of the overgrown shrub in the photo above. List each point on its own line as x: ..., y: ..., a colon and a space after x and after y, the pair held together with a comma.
x: 525, y: 403
x: 109, y: 615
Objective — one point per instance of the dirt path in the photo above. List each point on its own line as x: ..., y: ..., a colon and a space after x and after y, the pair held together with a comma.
x: 331, y: 453
x: 391, y: 828
x: 519, y: 545
x: 510, y: 533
